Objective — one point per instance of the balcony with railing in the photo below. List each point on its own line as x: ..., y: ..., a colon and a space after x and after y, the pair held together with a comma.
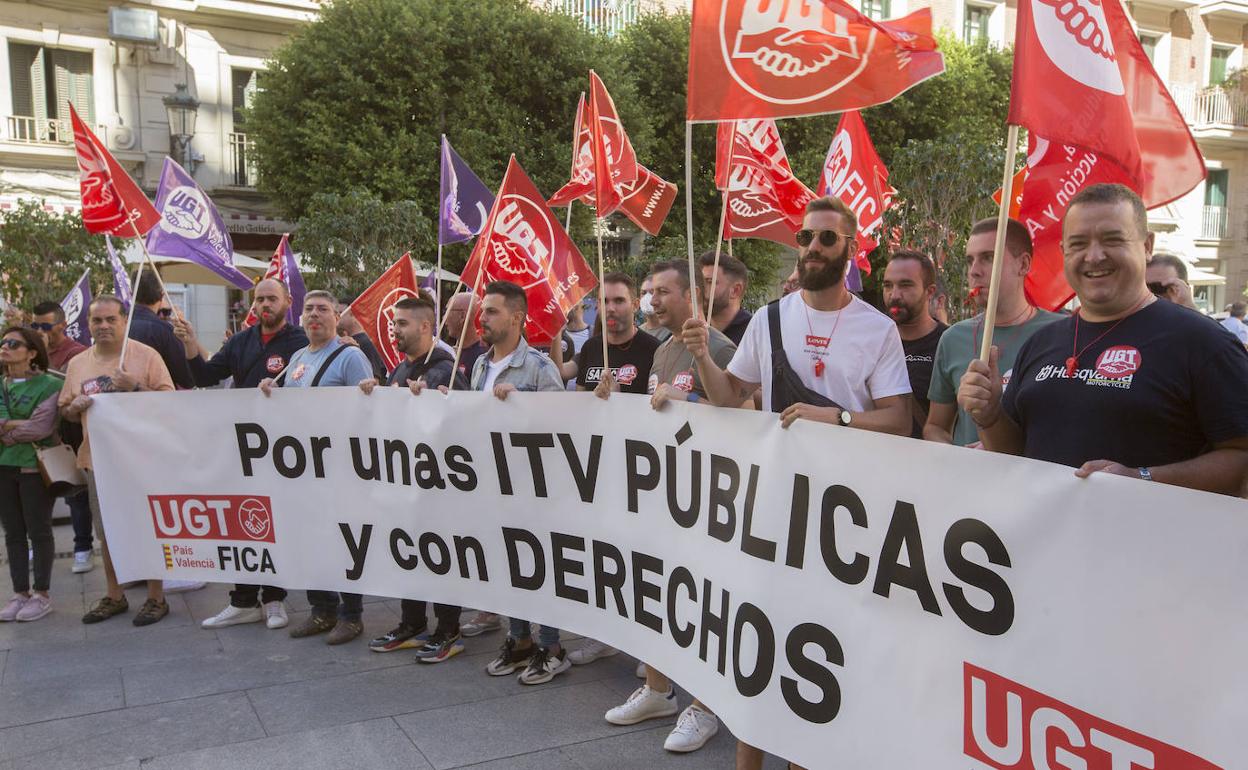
x: 1214, y: 223
x: 242, y: 169
x: 1213, y: 107
x: 23, y: 129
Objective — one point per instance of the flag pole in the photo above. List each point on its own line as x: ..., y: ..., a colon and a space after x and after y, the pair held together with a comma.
x: 723, y: 216
x: 602, y: 304
x: 437, y: 334
x: 146, y: 255
x: 134, y: 292
x: 693, y: 284
x: 463, y: 331
x: 998, y: 251
x: 437, y: 283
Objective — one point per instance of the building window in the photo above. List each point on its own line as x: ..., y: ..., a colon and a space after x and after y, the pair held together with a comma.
x: 877, y: 9
x: 606, y: 16
x: 244, y: 87
x: 975, y: 24
x: 44, y: 82
x: 1219, y: 63
x: 1148, y: 42
x: 1214, y: 222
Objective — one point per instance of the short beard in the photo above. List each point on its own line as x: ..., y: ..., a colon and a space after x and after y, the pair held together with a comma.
x: 904, y: 314
x: 818, y: 280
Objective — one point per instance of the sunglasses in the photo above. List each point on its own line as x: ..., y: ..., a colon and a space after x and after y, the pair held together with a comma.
x: 12, y: 344
x: 165, y: 312
x: 828, y: 238
x: 40, y: 326
x: 1158, y: 289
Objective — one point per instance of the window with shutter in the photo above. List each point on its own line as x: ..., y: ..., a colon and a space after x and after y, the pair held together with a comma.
x: 73, y: 84
x: 21, y: 63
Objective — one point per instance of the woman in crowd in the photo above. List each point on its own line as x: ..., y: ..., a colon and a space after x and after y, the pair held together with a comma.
x: 27, y: 420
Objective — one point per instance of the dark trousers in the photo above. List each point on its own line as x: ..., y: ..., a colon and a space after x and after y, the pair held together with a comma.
x: 247, y: 596
x: 80, y: 517
x: 26, y: 515
x: 326, y: 604
x: 413, y: 614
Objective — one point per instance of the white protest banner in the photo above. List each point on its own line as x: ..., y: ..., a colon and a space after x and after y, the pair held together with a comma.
x: 839, y: 598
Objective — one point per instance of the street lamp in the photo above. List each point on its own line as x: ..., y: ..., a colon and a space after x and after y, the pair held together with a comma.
x: 181, y: 108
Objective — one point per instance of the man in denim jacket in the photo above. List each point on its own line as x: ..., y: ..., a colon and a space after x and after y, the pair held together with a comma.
x: 511, y: 365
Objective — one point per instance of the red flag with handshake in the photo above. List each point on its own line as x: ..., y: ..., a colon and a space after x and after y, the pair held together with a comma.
x: 764, y: 199
x: 853, y: 172
x: 1081, y: 78
x: 112, y: 203
x: 523, y: 243
x: 788, y: 58
x: 374, y: 309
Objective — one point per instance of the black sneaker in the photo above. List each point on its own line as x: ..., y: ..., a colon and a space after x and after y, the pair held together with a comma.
x: 509, y: 658
x: 403, y: 637
x: 442, y: 646
x: 544, y: 666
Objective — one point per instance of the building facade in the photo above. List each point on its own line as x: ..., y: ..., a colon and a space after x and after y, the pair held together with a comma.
x: 1197, y: 48
x: 117, y: 65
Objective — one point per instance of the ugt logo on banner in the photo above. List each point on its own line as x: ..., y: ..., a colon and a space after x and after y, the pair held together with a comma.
x: 187, y: 520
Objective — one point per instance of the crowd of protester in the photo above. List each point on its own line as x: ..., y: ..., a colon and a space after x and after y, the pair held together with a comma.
x: 1134, y: 382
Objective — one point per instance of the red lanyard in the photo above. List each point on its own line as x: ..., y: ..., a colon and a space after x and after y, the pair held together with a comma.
x: 1073, y: 362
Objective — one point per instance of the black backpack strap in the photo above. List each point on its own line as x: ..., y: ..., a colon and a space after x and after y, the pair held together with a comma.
x: 773, y: 325
x: 325, y: 365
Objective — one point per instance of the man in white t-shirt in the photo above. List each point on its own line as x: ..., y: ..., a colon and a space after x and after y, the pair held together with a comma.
x: 846, y: 365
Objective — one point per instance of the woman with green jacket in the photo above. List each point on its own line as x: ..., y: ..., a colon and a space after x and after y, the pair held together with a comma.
x: 27, y: 420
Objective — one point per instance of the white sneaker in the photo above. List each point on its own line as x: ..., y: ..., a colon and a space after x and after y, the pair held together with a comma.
x: 641, y: 670
x: 643, y: 704
x: 233, y: 616
x: 275, y: 614
x: 693, y: 729
x: 590, y: 651
x: 83, y: 562
x: 182, y: 586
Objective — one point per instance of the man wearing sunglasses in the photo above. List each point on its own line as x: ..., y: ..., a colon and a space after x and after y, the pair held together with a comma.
x: 1166, y: 276
x: 148, y: 327
x: 845, y: 364
x: 49, y: 320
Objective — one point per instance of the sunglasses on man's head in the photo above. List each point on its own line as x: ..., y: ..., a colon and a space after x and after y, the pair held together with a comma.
x: 40, y: 326
x: 828, y: 238
x: 12, y: 344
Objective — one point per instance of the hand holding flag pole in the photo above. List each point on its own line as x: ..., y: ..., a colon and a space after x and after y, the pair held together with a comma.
x: 998, y: 250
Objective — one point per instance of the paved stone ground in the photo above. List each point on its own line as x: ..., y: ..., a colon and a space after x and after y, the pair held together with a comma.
x: 173, y: 695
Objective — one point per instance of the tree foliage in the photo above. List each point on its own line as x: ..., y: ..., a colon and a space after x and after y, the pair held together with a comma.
x: 43, y: 254
x: 355, y: 103
x: 353, y: 237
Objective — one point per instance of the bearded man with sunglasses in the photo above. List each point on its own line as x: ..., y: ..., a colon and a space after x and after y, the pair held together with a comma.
x: 845, y: 364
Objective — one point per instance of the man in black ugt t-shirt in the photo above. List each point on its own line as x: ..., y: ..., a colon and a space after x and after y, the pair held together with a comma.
x: 630, y: 363
x: 920, y: 358
x: 630, y: 353
x: 1161, y: 387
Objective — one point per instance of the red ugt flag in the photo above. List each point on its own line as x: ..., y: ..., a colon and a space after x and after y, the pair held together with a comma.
x: 787, y: 58
x: 646, y: 201
x: 765, y: 200
x: 523, y: 243
x: 111, y: 202
x: 374, y: 309
x: 1081, y: 78
x: 854, y: 173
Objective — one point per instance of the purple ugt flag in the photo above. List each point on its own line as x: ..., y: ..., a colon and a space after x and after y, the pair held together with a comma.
x: 121, y: 280
x: 190, y: 226
x: 75, y: 306
x: 464, y: 202
x: 293, y: 279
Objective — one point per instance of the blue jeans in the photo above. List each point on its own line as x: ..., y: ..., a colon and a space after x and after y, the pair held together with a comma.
x: 326, y: 604
x: 547, y: 636
x: 80, y: 517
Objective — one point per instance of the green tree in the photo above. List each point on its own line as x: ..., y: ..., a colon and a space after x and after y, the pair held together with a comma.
x: 352, y: 238
x: 42, y: 255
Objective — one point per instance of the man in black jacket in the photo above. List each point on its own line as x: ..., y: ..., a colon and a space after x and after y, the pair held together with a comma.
x: 152, y: 330
x: 414, y: 321
x: 249, y: 356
